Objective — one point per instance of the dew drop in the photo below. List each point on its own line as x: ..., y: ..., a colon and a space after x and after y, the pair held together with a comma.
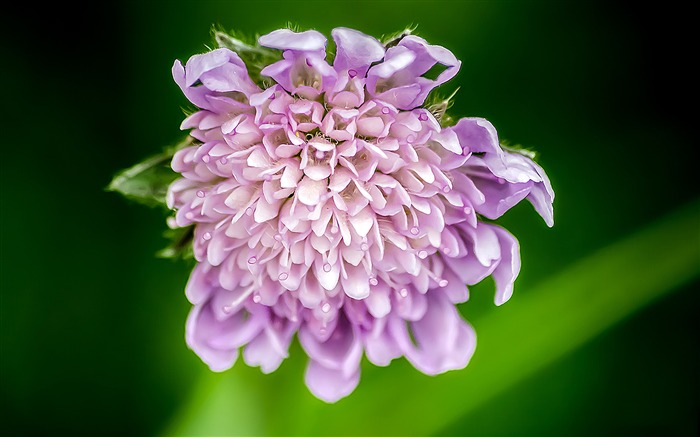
x: 334, y: 230
x: 415, y: 230
x: 422, y: 254
x: 411, y: 138
x: 467, y: 210
x: 252, y: 260
x: 283, y: 276
x: 446, y: 250
x: 446, y: 189
x: 326, y: 307
x: 403, y: 292
x: 189, y: 215
x: 364, y: 247
x: 223, y: 160
x: 205, y: 158
x: 386, y: 110
x: 249, y: 211
x: 257, y: 298
x: 352, y: 73
x: 326, y: 267
x: 422, y: 117
x: 443, y: 282
x: 278, y: 237
x: 373, y: 281
x: 200, y: 193
x: 501, y: 181
x: 206, y: 236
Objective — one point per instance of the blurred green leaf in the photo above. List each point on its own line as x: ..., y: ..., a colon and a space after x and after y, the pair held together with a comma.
x: 538, y: 327
x: 180, y: 246
x: 147, y: 182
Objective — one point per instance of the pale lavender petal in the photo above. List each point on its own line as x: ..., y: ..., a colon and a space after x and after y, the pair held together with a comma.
x: 443, y: 340
x: 330, y: 385
x: 355, y: 50
x: 271, y: 346
x: 286, y: 39
x: 508, y: 267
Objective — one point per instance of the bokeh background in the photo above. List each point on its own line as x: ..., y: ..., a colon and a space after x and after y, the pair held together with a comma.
x: 92, y: 323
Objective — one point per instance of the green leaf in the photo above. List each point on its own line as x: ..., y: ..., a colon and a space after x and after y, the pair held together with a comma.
x: 180, y: 246
x: 147, y: 182
x: 534, y: 330
x: 516, y: 340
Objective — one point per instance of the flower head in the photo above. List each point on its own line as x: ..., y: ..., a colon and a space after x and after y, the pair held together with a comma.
x: 331, y: 205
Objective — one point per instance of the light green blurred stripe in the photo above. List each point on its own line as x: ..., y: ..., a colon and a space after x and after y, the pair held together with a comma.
x: 525, y: 335
x: 222, y: 404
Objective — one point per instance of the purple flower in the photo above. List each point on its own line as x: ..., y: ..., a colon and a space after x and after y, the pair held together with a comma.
x: 331, y: 205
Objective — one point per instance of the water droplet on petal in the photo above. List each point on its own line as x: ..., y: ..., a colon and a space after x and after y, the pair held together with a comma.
x: 326, y: 307
x: 403, y: 292
x: 501, y: 181
x: 373, y: 281
x: 205, y: 158
x: 411, y: 138
x: 283, y: 276
x: 446, y: 189
x: 422, y: 254
x: 206, y: 236
x: 257, y: 298
x: 252, y: 260
x: 352, y: 73
x: 326, y: 267
x: 223, y: 160
x: 334, y: 230
x: 249, y: 211
x: 443, y: 282
x: 189, y: 215
x: 386, y: 110
x: 364, y: 247
x: 446, y: 250
x: 278, y: 237
x: 467, y: 210
x: 415, y: 230
x: 422, y: 117
x: 200, y: 193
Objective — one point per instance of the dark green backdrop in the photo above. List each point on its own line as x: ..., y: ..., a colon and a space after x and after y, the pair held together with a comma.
x: 92, y: 323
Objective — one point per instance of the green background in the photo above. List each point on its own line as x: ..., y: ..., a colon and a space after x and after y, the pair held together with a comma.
x: 92, y: 323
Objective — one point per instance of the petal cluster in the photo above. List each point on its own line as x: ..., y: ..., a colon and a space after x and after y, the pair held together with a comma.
x: 332, y: 206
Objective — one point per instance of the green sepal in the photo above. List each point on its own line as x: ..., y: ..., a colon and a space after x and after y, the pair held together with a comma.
x: 147, y: 182
x: 520, y: 149
x: 438, y: 106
